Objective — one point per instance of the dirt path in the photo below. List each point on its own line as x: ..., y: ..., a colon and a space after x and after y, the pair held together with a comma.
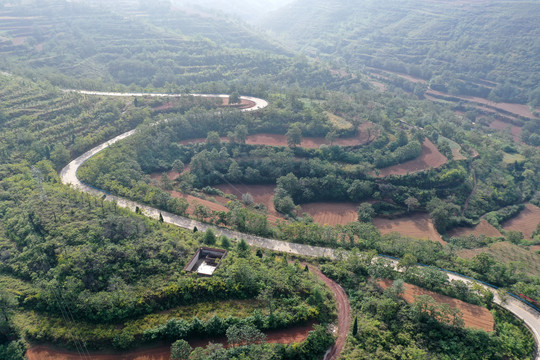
x: 68, y: 176
x: 344, y: 314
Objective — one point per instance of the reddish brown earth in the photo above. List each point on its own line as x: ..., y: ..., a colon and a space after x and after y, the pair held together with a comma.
x: 501, y: 126
x: 526, y: 221
x: 517, y: 109
x: 332, y: 213
x: 474, y: 316
x: 261, y: 194
x: 417, y: 226
x: 172, y: 175
x: 286, y: 336
x: 430, y: 157
x: 344, y: 314
x: 483, y: 228
x: 535, y: 248
x: 244, y: 104
x: 379, y: 85
x: 363, y: 137
x: 193, y: 201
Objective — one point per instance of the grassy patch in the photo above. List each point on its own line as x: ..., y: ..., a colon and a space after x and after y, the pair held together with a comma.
x: 512, y: 158
x: 58, y: 330
x: 505, y: 252
x: 338, y: 122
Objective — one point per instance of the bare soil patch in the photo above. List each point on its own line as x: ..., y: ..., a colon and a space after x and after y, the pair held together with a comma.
x: 517, y: 109
x: 379, y: 85
x: 244, y: 104
x: 362, y: 138
x: 193, y: 201
x: 483, y: 228
x: 474, y: 316
x: 172, y: 175
x: 417, y: 226
x: 430, y: 157
x: 344, y: 314
x: 535, y: 248
x: 296, y: 334
x: 262, y: 194
x: 526, y: 221
x: 501, y: 126
x: 506, y: 252
x: 332, y: 213
x: 286, y: 336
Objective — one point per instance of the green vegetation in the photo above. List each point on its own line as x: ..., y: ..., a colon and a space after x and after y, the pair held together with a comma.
x: 456, y: 49
x: 76, y: 268
x: 393, y: 329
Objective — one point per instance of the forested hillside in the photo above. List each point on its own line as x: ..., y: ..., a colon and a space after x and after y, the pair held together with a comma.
x: 78, y: 45
x: 350, y: 154
x: 481, y: 48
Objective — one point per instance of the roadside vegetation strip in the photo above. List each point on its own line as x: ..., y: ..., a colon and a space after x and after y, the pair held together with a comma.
x: 530, y: 314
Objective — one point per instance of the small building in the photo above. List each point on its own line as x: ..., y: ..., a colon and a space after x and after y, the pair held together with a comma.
x: 206, y: 261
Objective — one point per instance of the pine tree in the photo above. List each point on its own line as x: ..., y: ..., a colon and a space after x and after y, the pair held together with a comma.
x: 355, y: 326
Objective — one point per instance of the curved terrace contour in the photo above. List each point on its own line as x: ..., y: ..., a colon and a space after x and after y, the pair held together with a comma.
x: 68, y: 175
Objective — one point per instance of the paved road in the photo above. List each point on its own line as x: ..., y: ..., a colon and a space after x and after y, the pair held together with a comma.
x: 68, y: 176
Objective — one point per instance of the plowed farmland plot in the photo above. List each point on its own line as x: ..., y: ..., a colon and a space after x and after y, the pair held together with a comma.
x: 262, y: 194
x: 526, y: 221
x: 363, y: 137
x: 483, y: 228
x: 430, y: 157
x: 474, y: 316
x: 332, y: 213
x: 502, y: 126
x: 172, y: 175
x: 286, y: 336
x: 417, y: 226
x: 193, y: 201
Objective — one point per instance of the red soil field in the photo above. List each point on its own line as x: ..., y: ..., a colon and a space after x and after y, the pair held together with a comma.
x: 331, y: 213
x: 172, y: 175
x: 307, y: 142
x: 526, y: 221
x: 474, y: 316
x: 501, y: 125
x: 261, y: 194
x: 430, y: 157
x: 417, y: 226
x: 535, y: 248
x: 483, y: 228
x: 244, y: 104
x: 192, y: 200
x: 286, y: 336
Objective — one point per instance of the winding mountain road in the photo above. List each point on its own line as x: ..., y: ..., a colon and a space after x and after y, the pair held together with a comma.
x: 68, y: 176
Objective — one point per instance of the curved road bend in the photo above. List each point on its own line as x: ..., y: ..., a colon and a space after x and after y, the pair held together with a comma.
x: 68, y: 175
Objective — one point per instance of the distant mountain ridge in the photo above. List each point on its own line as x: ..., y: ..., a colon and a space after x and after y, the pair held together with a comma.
x: 455, y: 44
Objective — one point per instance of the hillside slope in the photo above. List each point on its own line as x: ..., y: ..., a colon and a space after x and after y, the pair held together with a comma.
x: 482, y: 48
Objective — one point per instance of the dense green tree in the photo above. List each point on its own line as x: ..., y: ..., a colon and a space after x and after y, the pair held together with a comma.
x: 180, y: 350
x: 365, y: 212
x: 294, y: 136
